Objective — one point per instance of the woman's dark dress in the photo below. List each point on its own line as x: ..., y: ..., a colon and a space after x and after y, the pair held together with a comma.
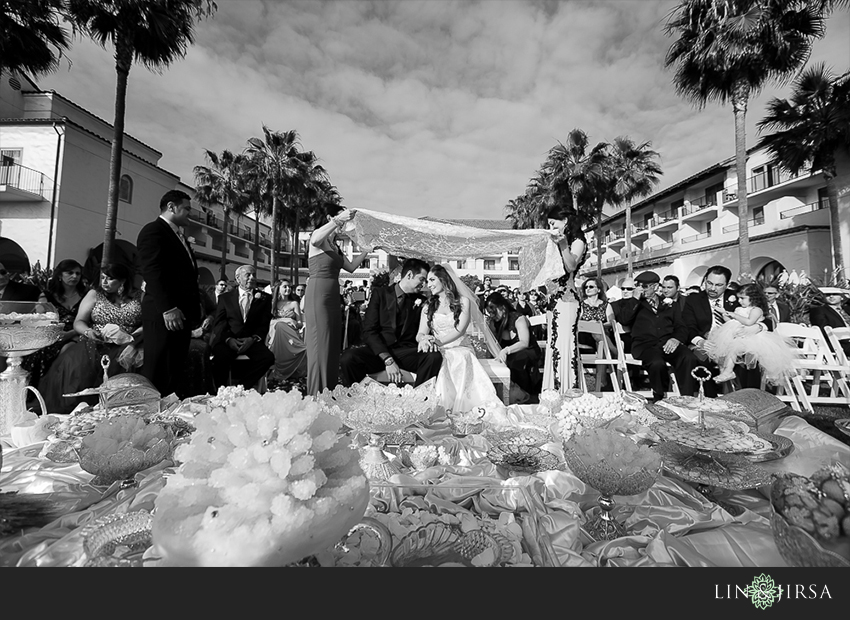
x: 78, y: 367
x: 322, y: 322
x: 39, y: 362
x: 524, y: 365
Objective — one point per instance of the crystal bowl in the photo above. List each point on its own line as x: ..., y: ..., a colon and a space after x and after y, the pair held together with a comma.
x: 799, y: 548
x: 26, y: 327
x: 607, y: 480
x: 371, y: 407
x: 119, y: 460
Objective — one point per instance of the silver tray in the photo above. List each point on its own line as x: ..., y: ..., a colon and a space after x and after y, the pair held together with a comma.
x: 715, y: 469
x: 843, y: 425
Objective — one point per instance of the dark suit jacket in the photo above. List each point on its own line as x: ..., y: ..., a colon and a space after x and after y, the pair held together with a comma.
x: 384, y: 327
x: 18, y: 291
x: 170, y: 273
x: 784, y: 315
x: 228, y: 321
x: 824, y: 316
x: 651, y: 330
x: 697, y: 314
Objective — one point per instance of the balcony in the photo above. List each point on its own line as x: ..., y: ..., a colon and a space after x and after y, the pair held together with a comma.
x: 197, y: 215
x: 640, y: 231
x: 21, y: 184
x: 247, y: 235
x: 213, y: 221
x: 241, y: 253
x: 655, y: 250
x: 615, y: 259
x: 756, y: 221
x: 694, y: 238
x: 823, y: 203
x: 664, y: 221
x: 769, y: 178
x: 699, y: 210
x: 616, y: 238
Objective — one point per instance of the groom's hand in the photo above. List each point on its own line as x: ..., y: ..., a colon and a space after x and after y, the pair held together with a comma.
x: 394, y: 373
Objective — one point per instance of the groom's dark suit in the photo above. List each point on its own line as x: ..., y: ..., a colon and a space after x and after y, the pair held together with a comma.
x: 389, y: 331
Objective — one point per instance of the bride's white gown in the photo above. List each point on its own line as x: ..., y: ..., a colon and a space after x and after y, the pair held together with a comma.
x: 462, y: 384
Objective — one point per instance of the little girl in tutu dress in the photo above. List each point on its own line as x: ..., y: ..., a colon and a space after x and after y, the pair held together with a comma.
x: 734, y: 343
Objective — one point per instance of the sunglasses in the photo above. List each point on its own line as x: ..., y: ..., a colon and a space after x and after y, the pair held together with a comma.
x: 3, y: 272
x: 627, y: 288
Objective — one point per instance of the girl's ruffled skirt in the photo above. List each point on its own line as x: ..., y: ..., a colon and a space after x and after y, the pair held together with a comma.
x: 767, y: 350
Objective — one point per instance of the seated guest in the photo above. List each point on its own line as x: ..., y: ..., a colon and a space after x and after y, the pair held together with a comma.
x: 285, y: 339
x: 594, y: 306
x: 522, y: 305
x: 670, y: 290
x: 834, y: 311
x: 658, y: 337
x: 220, y: 288
x: 17, y: 291
x: 65, y: 291
x: 240, y: 327
x: 777, y: 311
x: 703, y: 313
x: 110, y: 323
x: 520, y: 351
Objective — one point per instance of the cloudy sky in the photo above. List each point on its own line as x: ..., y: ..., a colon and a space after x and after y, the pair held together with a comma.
x: 423, y: 107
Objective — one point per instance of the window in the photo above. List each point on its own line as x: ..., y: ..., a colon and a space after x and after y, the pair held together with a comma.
x: 711, y: 193
x: 514, y: 264
x: 125, y: 189
x: 758, y: 216
x: 461, y: 264
x: 823, y: 198
x: 9, y: 172
x: 489, y: 265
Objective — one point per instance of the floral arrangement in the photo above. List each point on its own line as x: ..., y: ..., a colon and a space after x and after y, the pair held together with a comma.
x: 265, y: 481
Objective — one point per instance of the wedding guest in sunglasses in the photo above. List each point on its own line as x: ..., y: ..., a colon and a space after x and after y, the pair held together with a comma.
x: 16, y: 291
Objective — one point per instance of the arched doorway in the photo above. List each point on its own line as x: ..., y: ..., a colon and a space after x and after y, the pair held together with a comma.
x: 695, y: 277
x: 770, y: 272
x: 205, y: 277
x: 13, y: 256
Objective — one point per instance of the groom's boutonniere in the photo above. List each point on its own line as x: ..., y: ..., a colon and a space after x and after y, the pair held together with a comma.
x: 732, y: 299
x: 667, y: 301
x: 418, y: 302
x: 257, y: 295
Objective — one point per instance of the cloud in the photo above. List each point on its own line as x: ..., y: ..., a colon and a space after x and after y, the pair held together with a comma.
x: 435, y: 107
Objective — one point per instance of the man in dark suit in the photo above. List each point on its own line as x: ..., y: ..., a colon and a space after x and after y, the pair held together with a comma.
x: 240, y: 328
x: 16, y: 291
x: 171, y: 306
x: 704, y: 312
x: 834, y: 313
x: 777, y: 311
x: 658, y: 336
x: 670, y: 290
x: 389, y: 331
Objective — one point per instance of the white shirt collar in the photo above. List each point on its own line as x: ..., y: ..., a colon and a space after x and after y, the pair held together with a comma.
x: 171, y: 225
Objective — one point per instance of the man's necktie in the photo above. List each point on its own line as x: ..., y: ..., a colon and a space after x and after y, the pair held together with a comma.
x: 774, y: 315
x: 245, y: 303
x: 653, y: 302
x: 715, y: 322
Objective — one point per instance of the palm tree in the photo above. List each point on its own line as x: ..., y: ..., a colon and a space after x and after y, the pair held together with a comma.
x: 275, y: 160
x: 527, y: 209
x: 223, y: 182
x: 635, y: 172
x: 727, y: 51
x: 152, y: 32
x: 579, y: 178
x: 813, y: 125
x: 31, y: 39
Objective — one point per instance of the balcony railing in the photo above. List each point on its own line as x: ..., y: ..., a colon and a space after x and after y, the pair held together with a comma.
x: 22, y: 178
x: 756, y: 221
x: 823, y: 203
x: 639, y: 228
x: 213, y: 221
x: 247, y: 235
x: 771, y: 177
x: 197, y: 215
x: 241, y: 253
x: 698, y: 205
x: 693, y: 238
x: 655, y: 249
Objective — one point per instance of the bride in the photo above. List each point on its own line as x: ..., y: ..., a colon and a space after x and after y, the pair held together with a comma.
x: 462, y: 384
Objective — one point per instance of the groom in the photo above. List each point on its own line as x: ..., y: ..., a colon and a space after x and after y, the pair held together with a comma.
x: 389, y: 331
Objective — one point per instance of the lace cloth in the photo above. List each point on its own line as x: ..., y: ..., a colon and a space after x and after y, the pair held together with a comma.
x: 539, y: 258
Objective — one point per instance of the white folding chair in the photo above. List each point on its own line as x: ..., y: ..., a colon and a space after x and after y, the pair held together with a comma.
x: 627, y: 359
x: 836, y: 336
x: 817, y: 366
x: 598, y: 358
x: 537, y: 320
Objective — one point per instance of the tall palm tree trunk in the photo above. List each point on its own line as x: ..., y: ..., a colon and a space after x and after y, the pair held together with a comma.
x: 225, y: 242
x: 739, y: 105
x: 599, y: 250
x: 629, y: 253
x: 296, y: 271
x: 256, y: 239
x: 123, y: 62
x: 275, y: 238
x: 838, y: 266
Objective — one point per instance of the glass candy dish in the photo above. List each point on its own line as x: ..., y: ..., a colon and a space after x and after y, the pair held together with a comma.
x: 524, y: 460
x: 712, y: 469
x: 613, y: 465
x: 122, y: 447
x: 468, y: 423
x: 371, y: 407
x: 517, y: 436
